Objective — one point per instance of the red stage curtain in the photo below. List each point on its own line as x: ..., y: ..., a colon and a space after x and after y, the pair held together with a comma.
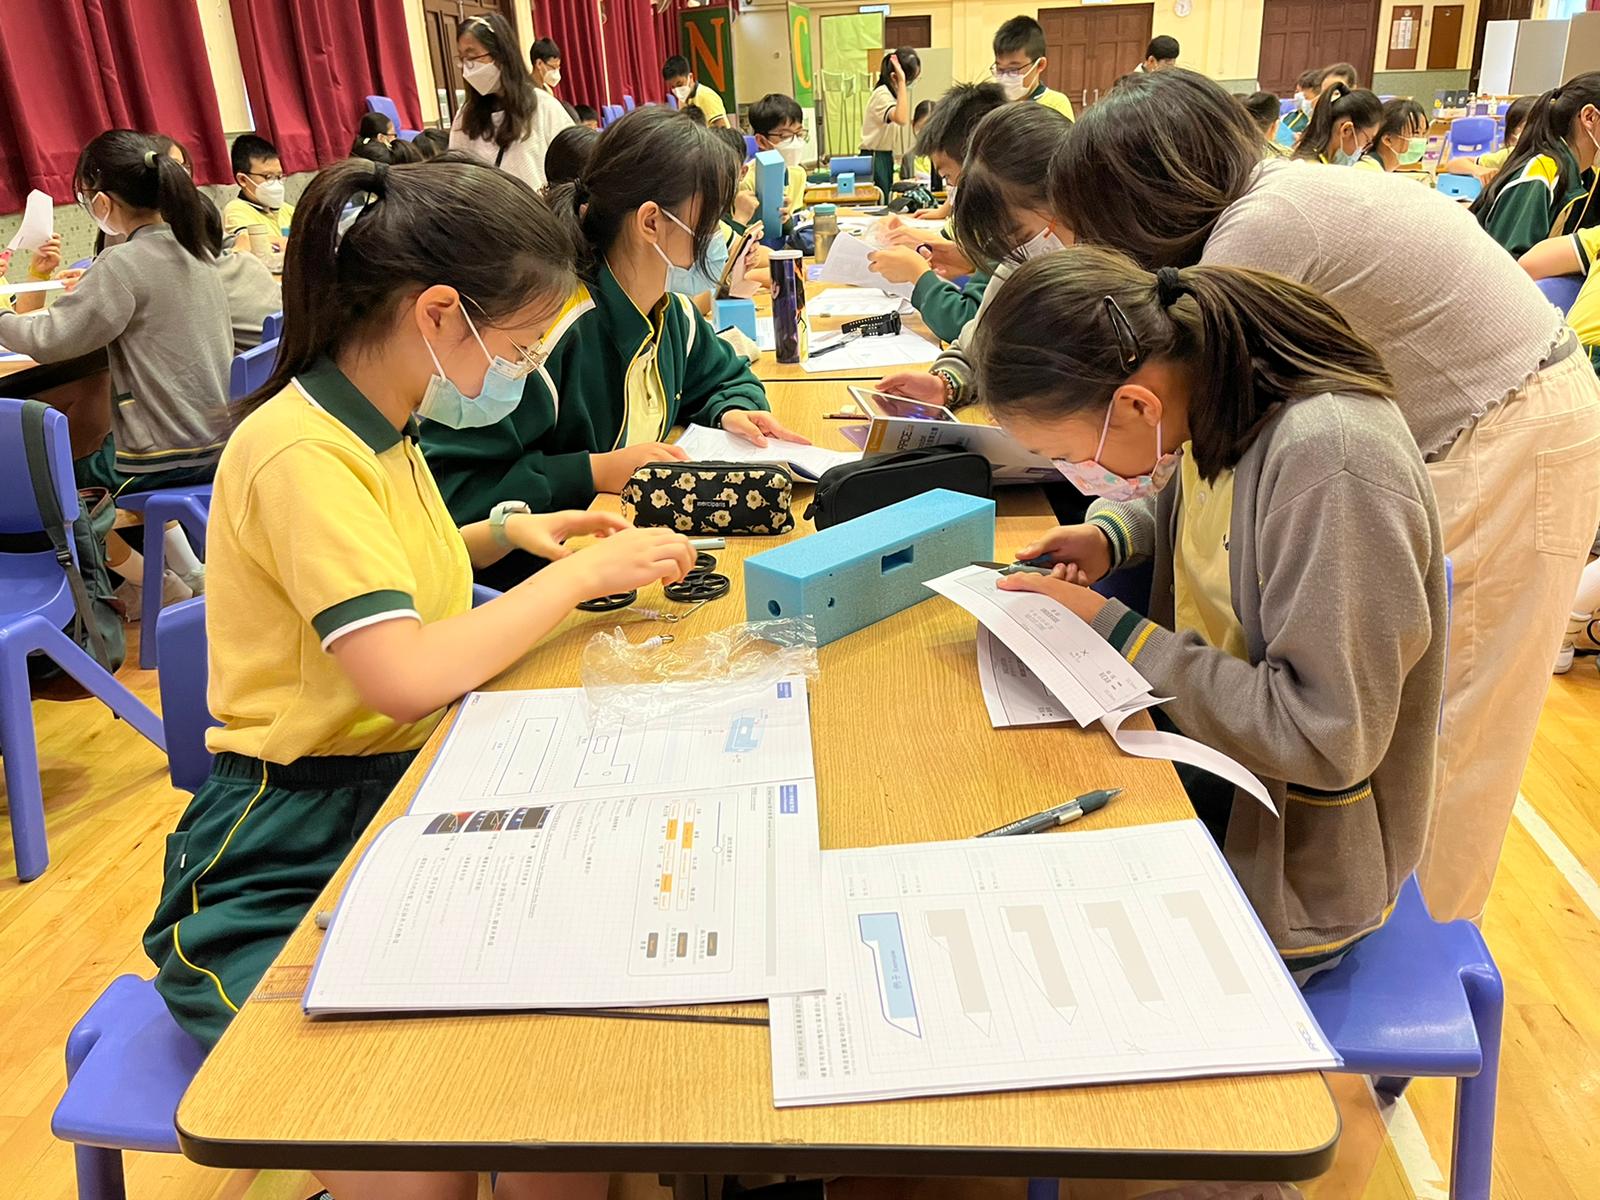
x: 71, y: 69
x: 634, y: 51
x: 574, y: 25
x: 310, y: 64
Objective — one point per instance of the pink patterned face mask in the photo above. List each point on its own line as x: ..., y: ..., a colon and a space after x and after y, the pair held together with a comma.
x: 1093, y: 479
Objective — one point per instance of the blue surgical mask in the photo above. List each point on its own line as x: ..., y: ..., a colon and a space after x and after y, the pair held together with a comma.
x: 691, y: 281
x: 497, y: 399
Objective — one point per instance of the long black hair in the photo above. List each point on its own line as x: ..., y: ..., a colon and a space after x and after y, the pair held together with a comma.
x: 372, y: 125
x: 1337, y: 104
x: 1050, y: 345
x: 1548, y: 126
x: 650, y: 154
x: 136, y: 169
x: 910, y: 64
x: 1402, y: 117
x: 450, y: 220
x: 516, y: 98
x: 1152, y: 166
x: 1007, y: 167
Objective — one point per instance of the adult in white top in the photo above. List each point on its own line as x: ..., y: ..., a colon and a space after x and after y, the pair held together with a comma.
x: 506, y: 121
x: 888, y: 112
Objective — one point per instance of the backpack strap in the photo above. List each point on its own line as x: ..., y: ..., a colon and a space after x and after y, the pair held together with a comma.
x: 55, y: 521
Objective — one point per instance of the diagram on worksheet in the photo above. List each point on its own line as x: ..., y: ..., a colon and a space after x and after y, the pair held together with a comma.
x: 1033, y: 961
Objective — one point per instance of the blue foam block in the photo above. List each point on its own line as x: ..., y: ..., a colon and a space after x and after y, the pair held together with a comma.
x: 855, y: 164
x: 771, y: 176
x: 845, y: 184
x: 854, y: 574
x: 741, y: 314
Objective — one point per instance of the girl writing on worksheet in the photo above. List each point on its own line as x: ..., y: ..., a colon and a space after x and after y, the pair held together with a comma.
x: 1298, y: 612
x: 339, y: 606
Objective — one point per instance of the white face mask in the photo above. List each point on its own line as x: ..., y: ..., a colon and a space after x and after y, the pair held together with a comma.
x: 103, y: 222
x: 791, y: 149
x: 1042, y: 243
x: 682, y: 92
x: 270, y: 193
x: 552, y: 78
x: 1014, y: 82
x: 482, y: 77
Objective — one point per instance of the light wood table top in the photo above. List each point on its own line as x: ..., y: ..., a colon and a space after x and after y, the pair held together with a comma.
x: 10, y: 366
x: 904, y: 753
x: 769, y: 370
x: 866, y: 195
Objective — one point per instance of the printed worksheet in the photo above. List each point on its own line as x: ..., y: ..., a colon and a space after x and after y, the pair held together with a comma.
x: 704, y: 895
x: 542, y: 747
x: 1043, y: 961
x: 870, y: 353
x: 702, y: 444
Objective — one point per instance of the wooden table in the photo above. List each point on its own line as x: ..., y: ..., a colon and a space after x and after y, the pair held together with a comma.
x: 866, y: 195
x: 769, y: 370
x: 904, y: 753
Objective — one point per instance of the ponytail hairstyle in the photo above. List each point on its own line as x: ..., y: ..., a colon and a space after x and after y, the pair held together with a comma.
x: 373, y: 126
x: 650, y: 154
x: 1006, y: 169
x: 910, y: 64
x: 1337, y: 104
x: 516, y: 98
x: 1061, y: 334
x: 136, y: 169
x: 1549, y: 124
x: 368, y: 238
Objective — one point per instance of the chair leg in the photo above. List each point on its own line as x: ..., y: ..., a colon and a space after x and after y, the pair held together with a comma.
x: 1472, y: 1160
x: 75, y: 661
x: 155, y: 565
x: 99, y: 1173
x: 24, y: 792
x: 1044, y: 1189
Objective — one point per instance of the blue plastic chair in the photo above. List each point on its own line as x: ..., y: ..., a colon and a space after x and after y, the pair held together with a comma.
x: 190, y: 507
x: 627, y: 103
x: 1285, y: 107
x: 252, y: 369
x: 1469, y: 137
x: 1459, y: 187
x: 1561, y: 290
x: 185, y: 715
x: 750, y: 146
x: 272, y: 327
x: 128, y: 1065
x: 35, y: 606
x: 386, y: 106
x: 1420, y: 998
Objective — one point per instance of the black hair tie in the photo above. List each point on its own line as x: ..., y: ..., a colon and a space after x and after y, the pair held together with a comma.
x: 1169, y: 286
x: 380, y: 179
x: 151, y: 160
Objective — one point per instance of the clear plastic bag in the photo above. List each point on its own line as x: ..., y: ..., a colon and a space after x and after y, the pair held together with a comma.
x: 646, y: 679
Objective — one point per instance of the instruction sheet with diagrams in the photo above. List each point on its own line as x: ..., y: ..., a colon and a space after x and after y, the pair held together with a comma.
x: 1004, y: 963
x: 555, y: 866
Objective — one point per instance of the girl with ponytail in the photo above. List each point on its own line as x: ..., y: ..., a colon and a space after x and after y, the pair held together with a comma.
x: 1343, y: 124
x: 1546, y: 187
x: 154, y: 303
x: 339, y: 592
x: 1298, y: 607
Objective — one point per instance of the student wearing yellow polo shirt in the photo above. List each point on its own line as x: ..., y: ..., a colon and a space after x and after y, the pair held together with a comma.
x: 627, y: 359
x: 779, y: 125
x: 260, y: 207
x: 1019, y: 63
x: 1575, y: 254
x: 691, y: 93
x: 339, y: 601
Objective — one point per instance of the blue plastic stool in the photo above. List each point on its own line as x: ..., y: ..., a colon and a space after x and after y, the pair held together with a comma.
x: 1459, y: 187
x: 128, y: 1065
x: 189, y: 507
x: 272, y: 327
x: 1420, y: 998
x: 1561, y: 290
x: 35, y: 606
x: 387, y: 107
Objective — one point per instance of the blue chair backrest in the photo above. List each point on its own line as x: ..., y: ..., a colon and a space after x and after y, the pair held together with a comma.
x: 185, y: 716
x: 272, y: 327
x: 628, y: 104
x: 750, y: 146
x: 1460, y: 187
x: 1469, y: 136
x: 1561, y: 290
x: 251, y: 369
x: 384, y: 105
x: 82, y: 264
x: 1285, y: 107
x: 19, y: 513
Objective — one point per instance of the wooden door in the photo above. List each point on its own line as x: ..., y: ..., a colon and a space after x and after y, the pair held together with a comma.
x: 1091, y: 48
x: 916, y: 32
x: 1444, y: 43
x: 1495, y: 10
x: 1297, y: 35
x: 1405, y: 35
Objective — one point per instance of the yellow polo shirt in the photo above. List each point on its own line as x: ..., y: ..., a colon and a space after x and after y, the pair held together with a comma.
x: 324, y: 519
x: 708, y: 102
x: 1051, y: 98
x: 643, y: 389
x: 1584, y: 315
x: 1202, y: 589
x: 240, y: 215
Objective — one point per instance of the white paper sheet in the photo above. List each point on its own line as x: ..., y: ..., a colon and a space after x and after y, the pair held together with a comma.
x: 847, y: 263
x: 38, y: 223
x: 1039, y: 961
x: 873, y: 353
x: 540, y: 747
x: 766, y: 336
x: 697, y: 896
x: 855, y: 302
x: 33, y: 285
x: 1014, y: 696
x: 715, y: 445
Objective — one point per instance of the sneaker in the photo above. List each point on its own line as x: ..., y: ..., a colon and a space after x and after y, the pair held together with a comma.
x: 130, y: 595
x: 173, y: 589
x: 1564, y: 658
x: 1583, y: 632
x: 195, y: 581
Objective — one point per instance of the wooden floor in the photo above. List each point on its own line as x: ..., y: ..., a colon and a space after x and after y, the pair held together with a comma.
x: 109, y: 806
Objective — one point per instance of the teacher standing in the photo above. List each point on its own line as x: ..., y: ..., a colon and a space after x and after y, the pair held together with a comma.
x: 888, y: 112
x: 505, y: 121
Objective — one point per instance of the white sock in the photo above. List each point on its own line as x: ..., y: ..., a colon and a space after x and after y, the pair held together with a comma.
x: 131, y: 568
x: 180, y: 557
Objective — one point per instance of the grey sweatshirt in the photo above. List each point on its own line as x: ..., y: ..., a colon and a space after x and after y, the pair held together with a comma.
x: 1337, y: 573
x: 1412, y: 296
x: 162, y: 316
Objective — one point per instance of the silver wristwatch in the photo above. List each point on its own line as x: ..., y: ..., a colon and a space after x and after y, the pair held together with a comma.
x: 497, y: 520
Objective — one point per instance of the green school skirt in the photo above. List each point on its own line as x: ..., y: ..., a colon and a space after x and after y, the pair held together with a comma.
x: 883, y: 173
x: 254, y: 849
x: 99, y: 469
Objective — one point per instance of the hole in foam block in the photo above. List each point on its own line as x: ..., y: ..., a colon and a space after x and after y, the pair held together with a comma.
x: 900, y: 558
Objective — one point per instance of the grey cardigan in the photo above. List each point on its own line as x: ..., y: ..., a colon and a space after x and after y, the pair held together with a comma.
x: 1338, y: 579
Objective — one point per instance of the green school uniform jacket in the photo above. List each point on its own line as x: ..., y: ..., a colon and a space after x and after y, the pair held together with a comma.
x: 1529, y: 209
x: 575, y: 405
x: 946, y: 308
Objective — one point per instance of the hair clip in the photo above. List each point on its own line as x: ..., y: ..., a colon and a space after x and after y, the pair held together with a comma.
x: 1128, y: 350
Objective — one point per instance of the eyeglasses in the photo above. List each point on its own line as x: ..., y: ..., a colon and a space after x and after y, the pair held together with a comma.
x: 532, y: 359
x: 1129, y: 352
x: 466, y: 60
x: 278, y: 178
x: 997, y: 70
